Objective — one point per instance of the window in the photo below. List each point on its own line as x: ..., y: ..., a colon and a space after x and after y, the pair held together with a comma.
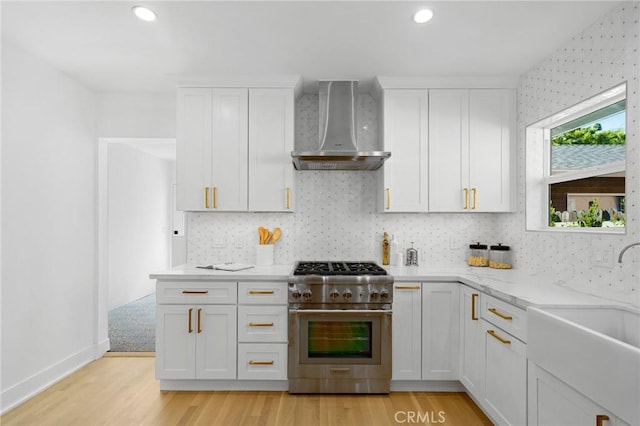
x: 576, y: 163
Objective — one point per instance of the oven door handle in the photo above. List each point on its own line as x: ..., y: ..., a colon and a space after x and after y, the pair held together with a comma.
x: 340, y: 311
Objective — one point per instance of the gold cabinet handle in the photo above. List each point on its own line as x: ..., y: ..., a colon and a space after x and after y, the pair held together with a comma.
x: 195, y: 291
x: 288, y: 197
x: 501, y: 339
x: 206, y: 197
x: 500, y: 314
x: 600, y: 418
x: 215, y: 197
x: 407, y: 287
x: 474, y: 296
x: 199, y: 328
x: 261, y: 291
x: 466, y: 198
x: 475, y: 192
x: 388, y: 198
x: 190, y: 328
x: 260, y: 324
x: 252, y: 362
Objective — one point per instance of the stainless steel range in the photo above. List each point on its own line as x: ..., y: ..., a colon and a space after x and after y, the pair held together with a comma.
x: 339, y: 328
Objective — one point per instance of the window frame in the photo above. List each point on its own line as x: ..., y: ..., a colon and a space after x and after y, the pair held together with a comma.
x: 538, y: 175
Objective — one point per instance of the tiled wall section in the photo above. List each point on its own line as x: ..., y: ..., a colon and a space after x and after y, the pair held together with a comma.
x: 336, y: 216
x: 603, y: 56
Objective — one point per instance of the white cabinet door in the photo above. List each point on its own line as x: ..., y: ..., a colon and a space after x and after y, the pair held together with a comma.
x: 212, y: 149
x: 229, y: 149
x: 271, y: 128
x: 175, y: 342
x: 216, y: 329
x: 193, y: 149
x: 505, y: 363
x: 471, y: 372
x: 490, y: 152
x: 552, y: 402
x: 403, y: 178
x: 407, y: 332
x: 470, y: 153
x: 440, y: 331
x: 448, y: 150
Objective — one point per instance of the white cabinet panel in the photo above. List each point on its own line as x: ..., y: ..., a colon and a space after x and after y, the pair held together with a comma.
x: 403, y: 178
x: 440, y: 331
x: 262, y: 361
x: 262, y: 293
x: 407, y: 332
x: 216, y: 342
x: 271, y: 128
x: 175, y: 342
x: 471, y: 340
x: 262, y: 323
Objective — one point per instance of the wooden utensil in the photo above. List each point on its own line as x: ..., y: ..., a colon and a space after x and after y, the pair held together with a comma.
x: 269, y: 235
x: 276, y: 235
x: 263, y: 234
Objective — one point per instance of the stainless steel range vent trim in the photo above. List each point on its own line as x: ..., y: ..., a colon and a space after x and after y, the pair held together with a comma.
x: 338, y: 148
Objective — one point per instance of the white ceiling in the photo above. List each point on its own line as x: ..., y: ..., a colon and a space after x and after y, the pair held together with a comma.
x: 102, y: 45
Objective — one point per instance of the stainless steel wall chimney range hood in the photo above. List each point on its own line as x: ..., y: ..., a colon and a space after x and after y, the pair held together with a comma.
x: 338, y: 146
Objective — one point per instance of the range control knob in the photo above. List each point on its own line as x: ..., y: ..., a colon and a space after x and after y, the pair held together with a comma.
x: 384, y: 295
x: 334, y: 294
x: 347, y: 295
x: 306, y: 295
x: 295, y: 294
x: 374, y: 295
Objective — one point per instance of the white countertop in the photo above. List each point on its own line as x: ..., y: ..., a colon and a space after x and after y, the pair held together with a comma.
x: 512, y: 286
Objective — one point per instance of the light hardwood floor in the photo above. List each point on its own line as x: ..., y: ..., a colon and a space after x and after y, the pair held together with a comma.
x: 122, y: 391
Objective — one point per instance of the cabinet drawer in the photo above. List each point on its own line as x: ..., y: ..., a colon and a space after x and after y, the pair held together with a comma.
x: 262, y: 323
x: 511, y: 319
x: 263, y: 361
x: 262, y: 293
x: 197, y: 292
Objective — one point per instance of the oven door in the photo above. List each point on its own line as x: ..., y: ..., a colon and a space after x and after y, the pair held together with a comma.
x: 339, y: 343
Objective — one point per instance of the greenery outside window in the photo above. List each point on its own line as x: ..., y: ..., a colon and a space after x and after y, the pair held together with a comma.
x: 576, y: 166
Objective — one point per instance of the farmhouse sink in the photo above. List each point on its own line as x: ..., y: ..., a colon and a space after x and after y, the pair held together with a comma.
x: 595, y: 350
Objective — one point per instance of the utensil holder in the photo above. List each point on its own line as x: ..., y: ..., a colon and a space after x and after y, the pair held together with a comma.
x: 264, y: 254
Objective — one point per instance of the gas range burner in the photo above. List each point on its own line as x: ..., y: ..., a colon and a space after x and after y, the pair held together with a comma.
x: 338, y: 268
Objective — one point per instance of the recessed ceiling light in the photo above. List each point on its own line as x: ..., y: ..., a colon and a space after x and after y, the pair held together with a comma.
x: 422, y: 16
x: 145, y: 13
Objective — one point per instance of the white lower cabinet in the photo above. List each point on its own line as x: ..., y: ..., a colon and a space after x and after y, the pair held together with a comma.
x: 504, y: 360
x: 552, y: 402
x: 440, y: 331
x: 407, y: 332
x: 196, y: 342
x: 262, y: 330
x: 471, y: 340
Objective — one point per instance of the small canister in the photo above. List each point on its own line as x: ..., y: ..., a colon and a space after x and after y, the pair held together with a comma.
x: 412, y: 256
x: 500, y: 257
x: 479, y: 255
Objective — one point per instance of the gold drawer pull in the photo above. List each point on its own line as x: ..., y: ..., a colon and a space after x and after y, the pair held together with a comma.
x: 388, y: 198
x: 475, y: 191
x: 600, y: 418
x: 408, y: 287
x: 252, y: 362
x: 199, y: 314
x: 261, y: 291
x: 288, y: 196
x: 501, y: 315
x: 466, y: 198
x: 190, y: 329
x: 195, y: 291
x: 260, y: 324
x: 501, y: 339
x: 206, y: 197
x: 474, y: 296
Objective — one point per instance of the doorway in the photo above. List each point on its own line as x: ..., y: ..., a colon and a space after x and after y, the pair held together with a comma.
x: 136, y: 232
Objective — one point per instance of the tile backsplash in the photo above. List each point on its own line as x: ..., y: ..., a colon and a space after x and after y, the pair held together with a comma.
x: 336, y: 213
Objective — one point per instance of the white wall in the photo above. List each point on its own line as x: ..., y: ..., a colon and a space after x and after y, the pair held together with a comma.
x: 139, y: 186
x: 48, y: 224
x: 136, y: 115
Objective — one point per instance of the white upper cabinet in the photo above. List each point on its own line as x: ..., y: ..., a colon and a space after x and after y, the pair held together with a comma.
x: 271, y: 133
x: 470, y: 150
x: 403, y: 178
x: 234, y: 148
x: 211, y: 149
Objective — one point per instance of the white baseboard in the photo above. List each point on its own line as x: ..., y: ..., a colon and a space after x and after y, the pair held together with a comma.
x: 31, y: 386
x: 426, y: 386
